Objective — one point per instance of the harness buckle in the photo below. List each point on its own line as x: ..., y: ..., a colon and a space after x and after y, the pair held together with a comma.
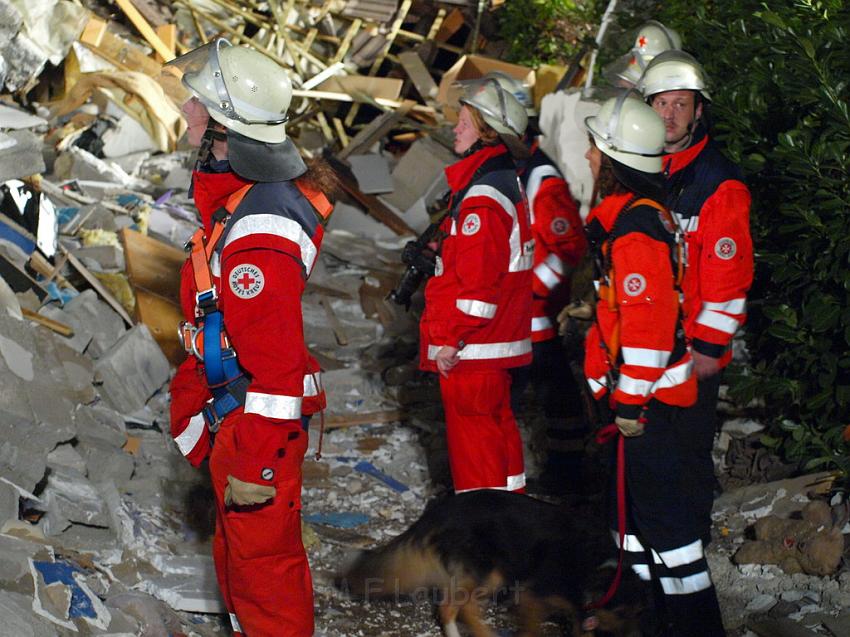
x: 206, y: 301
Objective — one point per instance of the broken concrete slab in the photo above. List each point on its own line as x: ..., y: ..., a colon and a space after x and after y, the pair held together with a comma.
x: 419, y: 175
x: 22, y: 158
x: 96, y: 317
x: 372, y: 173
x: 106, y: 463
x: 76, y: 163
x: 18, y: 618
x: 9, y: 503
x: 132, y: 370
x: 82, y: 336
x: 353, y: 219
x: 106, y: 257
x: 66, y: 455
x: 70, y: 497
x: 100, y: 424
x: 188, y: 583
x: 128, y: 136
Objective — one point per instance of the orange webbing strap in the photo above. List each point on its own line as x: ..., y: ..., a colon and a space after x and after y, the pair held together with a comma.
x: 668, y: 216
x: 317, y: 199
x: 202, y: 248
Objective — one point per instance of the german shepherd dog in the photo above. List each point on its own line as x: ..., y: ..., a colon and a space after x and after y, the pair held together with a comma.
x: 489, y: 544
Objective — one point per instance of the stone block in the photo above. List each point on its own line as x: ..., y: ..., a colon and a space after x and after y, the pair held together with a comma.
x: 70, y: 497
x: 105, y: 462
x: 9, y: 501
x: 23, y: 158
x: 107, y: 258
x: 99, y: 424
x: 99, y: 319
x: 19, y: 620
x: 187, y: 584
x: 82, y: 335
x: 132, y: 370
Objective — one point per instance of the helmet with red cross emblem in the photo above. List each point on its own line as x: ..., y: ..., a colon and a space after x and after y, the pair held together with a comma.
x: 652, y: 38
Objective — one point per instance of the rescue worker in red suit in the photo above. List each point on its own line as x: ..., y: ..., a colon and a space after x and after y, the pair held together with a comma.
x: 477, y: 318
x: 638, y: 365
x: 559, y: 245
x: 711, y: 204
x: 261, y: 230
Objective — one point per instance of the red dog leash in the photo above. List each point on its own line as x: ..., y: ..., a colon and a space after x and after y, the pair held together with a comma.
x: 603, y: 436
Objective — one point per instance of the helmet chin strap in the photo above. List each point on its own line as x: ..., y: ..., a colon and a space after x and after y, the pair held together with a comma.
x: 211, y: 135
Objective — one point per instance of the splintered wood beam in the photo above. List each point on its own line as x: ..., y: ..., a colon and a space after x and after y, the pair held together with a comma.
x: 56, y: 326
x: 376, y: 65
x: 145, y: 29
x: 352, y: 30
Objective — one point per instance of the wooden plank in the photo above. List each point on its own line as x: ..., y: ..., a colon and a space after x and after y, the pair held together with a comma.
x: 56, y: 326
x: 121, y: 53
x: 163, y: 317
x: 168, y: 34
x: 145, y: 29
x: 375, y: 130
x: 450, y: 25
x: 338, y: 421
x: 97, y: 285
x: 152, y: 265
x: 340, y: 132
x: 419, y: 75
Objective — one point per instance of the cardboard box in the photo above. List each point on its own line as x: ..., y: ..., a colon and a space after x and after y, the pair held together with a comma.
x: 472, y: 67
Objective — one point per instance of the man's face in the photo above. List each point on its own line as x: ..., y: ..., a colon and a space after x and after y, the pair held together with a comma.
x: 465, y: 132
x: 197, y: 118
x: 680, y: 112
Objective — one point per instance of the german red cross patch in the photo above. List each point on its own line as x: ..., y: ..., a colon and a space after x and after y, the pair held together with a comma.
x: 725, y: 248
x: 471, y: 224
x: 559, y: 226
x: 634, y: 284
x: 246, y: 280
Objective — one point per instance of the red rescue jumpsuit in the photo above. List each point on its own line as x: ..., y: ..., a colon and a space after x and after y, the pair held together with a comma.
x: 636, y: 343
x: 479, y: 301
x: 269, y: 247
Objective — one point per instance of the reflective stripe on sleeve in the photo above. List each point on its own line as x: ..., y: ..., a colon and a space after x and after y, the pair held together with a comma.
x: 540, y: 323
x: 686, y: 585
x: 237, y: 627
x: 675, y: 375
x: 516, y: 482
x: 275, y: 225
x: 536, y: 178
x: 634, y: 386
x: 735, y: 306
x: 548, y: 278
x: 487, y: 351
x: 313, y: 384
x: 642, y: 571
x: 597, y: 384
x: 645, y: 357
x: 477, y: 308
x: 555, y: 262
x: 190, y: 436
x: 717, y: 321
x: 273, y: 405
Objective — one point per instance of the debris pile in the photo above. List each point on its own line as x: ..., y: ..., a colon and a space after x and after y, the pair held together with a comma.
x: 104, y: 528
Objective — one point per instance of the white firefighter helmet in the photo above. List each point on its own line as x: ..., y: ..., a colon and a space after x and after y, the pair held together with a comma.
x: 499, y: 108
x: 243, y: 90
x: 629, y: 131
x: 516, y: 87
x: 673, y: 71
x: 652, y: 39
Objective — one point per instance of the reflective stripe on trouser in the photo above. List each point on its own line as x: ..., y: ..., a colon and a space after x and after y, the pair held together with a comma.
x: 661, y: 540
x: 260, y: 562
x: 485, y: 449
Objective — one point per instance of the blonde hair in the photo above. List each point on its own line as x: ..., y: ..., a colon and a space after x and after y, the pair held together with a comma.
x: 486, y: 133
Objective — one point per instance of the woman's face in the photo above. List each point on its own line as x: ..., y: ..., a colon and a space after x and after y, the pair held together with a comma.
x: 465, y: 132
x: 197, y: 118
x: 594, y: 158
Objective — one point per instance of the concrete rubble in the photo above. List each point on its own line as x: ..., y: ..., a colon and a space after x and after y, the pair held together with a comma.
x: 104, y: 528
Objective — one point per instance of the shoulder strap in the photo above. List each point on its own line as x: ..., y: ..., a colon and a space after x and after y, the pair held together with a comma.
x: 317, y: 199
x: 202, y: 248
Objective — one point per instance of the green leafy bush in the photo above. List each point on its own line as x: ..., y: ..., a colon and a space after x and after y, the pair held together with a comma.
x: 781, y: 73
x: 546, y: 31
